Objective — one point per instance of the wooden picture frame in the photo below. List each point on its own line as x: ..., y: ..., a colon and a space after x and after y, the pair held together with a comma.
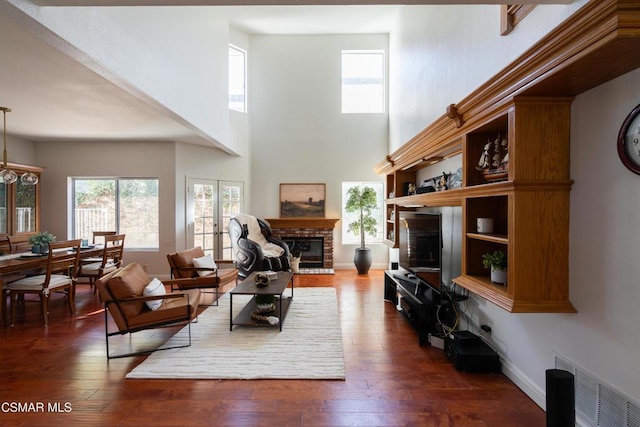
x: 302, y: 200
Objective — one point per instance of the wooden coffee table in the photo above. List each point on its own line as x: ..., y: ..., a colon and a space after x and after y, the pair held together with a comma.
x: 248, y: 286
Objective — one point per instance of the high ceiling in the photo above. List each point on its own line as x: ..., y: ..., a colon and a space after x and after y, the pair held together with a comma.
x: 56, y: 97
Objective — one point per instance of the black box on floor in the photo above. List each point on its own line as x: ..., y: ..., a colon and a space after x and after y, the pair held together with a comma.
x: 465, y: 338
x: 471, y: 358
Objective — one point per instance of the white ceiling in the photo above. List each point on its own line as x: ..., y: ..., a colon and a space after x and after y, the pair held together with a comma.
x: 55, y: 97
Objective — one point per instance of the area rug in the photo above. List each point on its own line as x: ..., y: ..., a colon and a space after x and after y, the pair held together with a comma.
x: 309, y: 346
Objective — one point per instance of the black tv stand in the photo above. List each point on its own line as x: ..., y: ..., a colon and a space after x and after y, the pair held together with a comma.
x: 417, y: 303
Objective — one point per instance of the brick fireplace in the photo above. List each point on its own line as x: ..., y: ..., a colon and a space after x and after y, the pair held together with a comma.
x: 311, y: 229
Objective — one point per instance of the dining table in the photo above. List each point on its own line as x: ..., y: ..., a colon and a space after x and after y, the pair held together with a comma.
x: 12, y: 264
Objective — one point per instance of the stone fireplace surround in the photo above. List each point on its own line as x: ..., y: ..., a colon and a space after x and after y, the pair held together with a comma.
x: 307, y: 228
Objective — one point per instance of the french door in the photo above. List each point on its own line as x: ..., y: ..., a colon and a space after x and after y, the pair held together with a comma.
x: 210, y: 206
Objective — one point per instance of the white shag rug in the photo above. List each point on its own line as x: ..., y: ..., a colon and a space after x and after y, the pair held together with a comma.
x: 309, y: 346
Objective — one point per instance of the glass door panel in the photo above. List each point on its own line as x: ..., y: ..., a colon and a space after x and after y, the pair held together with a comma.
x: 3, y: 208
x: 210, y: 205
x: 232, y: 198
x: 25, y: 213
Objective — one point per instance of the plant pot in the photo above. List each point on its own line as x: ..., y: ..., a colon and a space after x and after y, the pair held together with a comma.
x: 35, y: 249
x: 362, y: 259
x: 498, y: 275
x: 295, y: 264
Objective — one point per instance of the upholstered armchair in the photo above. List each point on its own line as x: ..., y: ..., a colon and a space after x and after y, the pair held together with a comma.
x: 136, y: 303
x: 192, y: 269
x: 254, y: 246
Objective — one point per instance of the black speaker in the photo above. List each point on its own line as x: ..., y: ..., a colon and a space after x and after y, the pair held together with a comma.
x: 394, y: 265
x: 561, y: 405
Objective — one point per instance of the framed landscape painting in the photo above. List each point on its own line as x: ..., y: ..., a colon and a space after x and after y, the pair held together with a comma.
x: 302, y: 200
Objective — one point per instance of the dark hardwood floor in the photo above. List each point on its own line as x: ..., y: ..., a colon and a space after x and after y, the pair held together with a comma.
x: 390, y: 380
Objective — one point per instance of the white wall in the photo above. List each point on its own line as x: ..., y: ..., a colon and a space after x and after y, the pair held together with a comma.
x: 439, y: 54
x: 174, y: 55
x: 298, y: 134
x: 602, y: 338
x: 19, y: 150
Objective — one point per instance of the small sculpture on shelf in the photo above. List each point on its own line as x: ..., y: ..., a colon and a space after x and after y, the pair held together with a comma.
x: 412, y: 190
x: 441, y: 184
x: 494, y: 160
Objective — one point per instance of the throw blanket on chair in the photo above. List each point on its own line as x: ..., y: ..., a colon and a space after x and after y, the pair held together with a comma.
x: 268, y: 249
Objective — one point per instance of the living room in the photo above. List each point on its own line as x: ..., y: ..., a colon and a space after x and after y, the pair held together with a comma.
x: 432, y: 63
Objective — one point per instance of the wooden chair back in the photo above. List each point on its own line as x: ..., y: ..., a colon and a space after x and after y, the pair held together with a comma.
x: 64, y: 257
x: 113, y: 249
x: 19, y: 243
x: 99, y: 236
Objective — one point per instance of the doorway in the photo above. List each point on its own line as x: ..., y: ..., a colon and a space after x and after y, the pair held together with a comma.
x: 210, y: 206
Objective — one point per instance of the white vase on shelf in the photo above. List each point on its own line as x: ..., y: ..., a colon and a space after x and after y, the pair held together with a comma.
x: 498, y: 275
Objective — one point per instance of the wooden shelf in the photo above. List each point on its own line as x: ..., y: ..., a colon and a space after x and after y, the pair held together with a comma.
x: 502, y: 239
x: 528, y: 103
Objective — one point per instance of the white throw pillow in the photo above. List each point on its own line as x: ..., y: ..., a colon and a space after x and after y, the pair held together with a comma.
x: 154, y: 288
x: 205, y: 262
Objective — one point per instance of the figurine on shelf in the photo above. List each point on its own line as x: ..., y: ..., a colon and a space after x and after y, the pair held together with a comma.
x: 498, y: 168
x: 505, y: 149
x: 412, y: 189
x: 441, y: 183
x: 483, y: 163
x: 497, y: 157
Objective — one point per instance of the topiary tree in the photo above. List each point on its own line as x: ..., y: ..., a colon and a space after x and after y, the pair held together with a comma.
x: 362, y: 200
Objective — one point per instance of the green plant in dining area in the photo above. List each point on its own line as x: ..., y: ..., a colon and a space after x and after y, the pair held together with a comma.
x: 40, y: 241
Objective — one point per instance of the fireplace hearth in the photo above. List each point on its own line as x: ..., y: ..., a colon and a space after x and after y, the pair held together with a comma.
x: 317, y: 233
x: 309, y: 249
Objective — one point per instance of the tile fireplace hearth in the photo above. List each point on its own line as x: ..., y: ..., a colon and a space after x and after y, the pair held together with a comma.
x: 314, y: 235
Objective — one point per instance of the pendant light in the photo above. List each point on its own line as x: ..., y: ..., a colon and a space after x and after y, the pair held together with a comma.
x: 7, y: 175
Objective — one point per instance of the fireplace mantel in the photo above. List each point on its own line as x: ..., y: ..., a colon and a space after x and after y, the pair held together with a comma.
x: 301, y: 222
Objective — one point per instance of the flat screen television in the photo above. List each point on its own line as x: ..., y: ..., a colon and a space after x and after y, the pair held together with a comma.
x: 420, y: 246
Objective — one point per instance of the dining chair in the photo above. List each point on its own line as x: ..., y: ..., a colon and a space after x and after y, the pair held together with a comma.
x: 60, y: 276
x: 99, y: 236
x: 111, y: 259
x: 19, y: 243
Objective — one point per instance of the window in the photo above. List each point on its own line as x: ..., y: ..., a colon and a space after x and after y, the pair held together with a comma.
x: 237, y: 79
x: 126, y: 205
x: 349, y: 217
x: 363, y: 86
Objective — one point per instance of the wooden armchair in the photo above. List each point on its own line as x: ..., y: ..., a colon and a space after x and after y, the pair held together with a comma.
x: 185, y: 275
x: 123, y: 293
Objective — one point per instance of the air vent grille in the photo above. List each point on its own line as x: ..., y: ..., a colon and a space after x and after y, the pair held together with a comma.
x: 597, y: 403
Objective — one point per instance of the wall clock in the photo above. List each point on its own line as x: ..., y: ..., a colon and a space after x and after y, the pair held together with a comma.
x: 629, y: 141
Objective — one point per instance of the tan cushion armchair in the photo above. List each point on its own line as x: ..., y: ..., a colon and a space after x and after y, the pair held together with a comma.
x: 122, y: 293
x: 185, y: 275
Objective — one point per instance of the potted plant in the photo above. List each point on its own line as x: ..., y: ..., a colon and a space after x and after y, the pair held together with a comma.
x: 362, y: 200
x: 40, y: 241
x: 497, y: 261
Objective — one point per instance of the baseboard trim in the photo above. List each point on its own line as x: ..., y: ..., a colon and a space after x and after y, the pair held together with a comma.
x: 524, y: 383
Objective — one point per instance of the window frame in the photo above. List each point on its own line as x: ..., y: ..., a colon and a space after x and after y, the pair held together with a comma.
x: 239, y: 52
x: 381, y: 106
x: 117, y: 206
x: 349, y: 238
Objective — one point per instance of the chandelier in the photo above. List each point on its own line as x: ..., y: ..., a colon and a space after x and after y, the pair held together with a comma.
x: 8, y: 175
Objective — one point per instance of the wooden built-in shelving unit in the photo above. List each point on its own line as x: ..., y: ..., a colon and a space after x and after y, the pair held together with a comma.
x: 529, y: 102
